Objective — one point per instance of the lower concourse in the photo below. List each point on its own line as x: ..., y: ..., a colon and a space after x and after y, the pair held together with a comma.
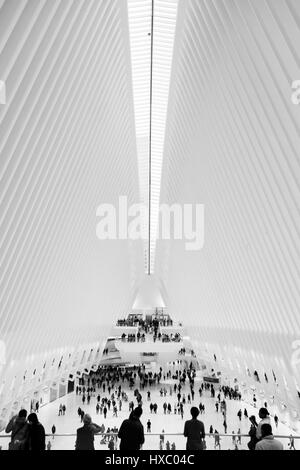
x: 149, y: 208
x: 172, y: 424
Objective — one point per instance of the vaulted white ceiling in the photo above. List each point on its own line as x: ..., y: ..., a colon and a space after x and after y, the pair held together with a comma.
x: 232, y: 144
x: 67, y: 144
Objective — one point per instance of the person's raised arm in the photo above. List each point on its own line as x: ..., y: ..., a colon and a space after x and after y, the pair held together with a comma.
x: 9, y: 427
x: 96, y: 429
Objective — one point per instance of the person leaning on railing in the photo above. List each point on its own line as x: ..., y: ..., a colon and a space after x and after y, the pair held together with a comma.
x: 252, y: 433
x: 19, y: 429
x: 85, y: 434
x: 268, y: 442
x: 194, y: 431
x: 131, y: 431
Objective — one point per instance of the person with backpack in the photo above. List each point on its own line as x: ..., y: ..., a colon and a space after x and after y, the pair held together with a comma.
x: 19, y: 429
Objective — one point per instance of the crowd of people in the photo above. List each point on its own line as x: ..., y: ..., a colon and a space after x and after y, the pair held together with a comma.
x: 148, y: 324
x: 107, y: 390
x: 184, y: 351
x: 140, y: 337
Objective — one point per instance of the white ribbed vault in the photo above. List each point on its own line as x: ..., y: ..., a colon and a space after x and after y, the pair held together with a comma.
x: 232, y: 144
x: 67, y: 144
x: 226, y: 135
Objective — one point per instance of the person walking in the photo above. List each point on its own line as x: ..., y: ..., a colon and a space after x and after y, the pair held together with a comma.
x: 292, y: 443
x: 162, y: 436
x: 111, y: 443
x: 194, y: 431
x: 239, y: 436
x: 217, y: 440
x: 131, y: 431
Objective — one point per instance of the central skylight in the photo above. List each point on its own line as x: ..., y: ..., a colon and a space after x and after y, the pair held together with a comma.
x: 151, y: 56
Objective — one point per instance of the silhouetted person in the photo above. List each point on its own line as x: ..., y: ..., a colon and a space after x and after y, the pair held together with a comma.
x: 194, y: 431
x: 292, y: 442
x: 265, y: 419
x: 252, y: 433
x: 19, y: 429
x: 85, y: 435
x: 131, y: 431
x: 37, y: 437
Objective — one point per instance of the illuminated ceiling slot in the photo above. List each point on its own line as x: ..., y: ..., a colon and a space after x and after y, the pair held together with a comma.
x: 151, y: 120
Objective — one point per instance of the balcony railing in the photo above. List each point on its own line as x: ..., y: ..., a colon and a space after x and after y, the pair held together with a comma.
x: 66, y: 441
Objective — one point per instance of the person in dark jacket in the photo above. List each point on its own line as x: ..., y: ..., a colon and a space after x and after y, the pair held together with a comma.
x: 37, y: 437
x: 85, y: 435
x: 252, y: 433
x: 194, y: 431
x: 19, y: 429
x: 131, y: 431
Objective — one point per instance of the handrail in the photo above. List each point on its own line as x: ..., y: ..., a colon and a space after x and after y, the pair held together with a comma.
x: 7, y: 436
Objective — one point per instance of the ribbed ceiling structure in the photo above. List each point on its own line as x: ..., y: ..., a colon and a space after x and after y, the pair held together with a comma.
x: 232, y: 144
x: 67, y: 145
x: 74, y: 134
